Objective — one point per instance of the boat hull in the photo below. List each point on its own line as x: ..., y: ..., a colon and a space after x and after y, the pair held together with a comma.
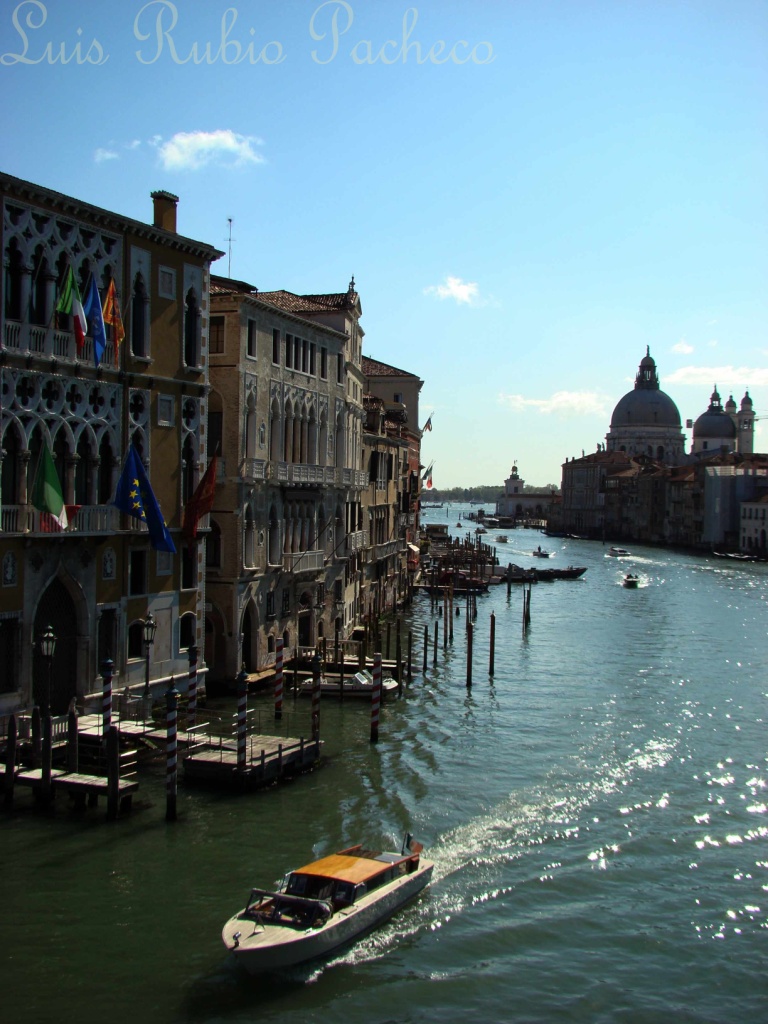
x: 271, y: 947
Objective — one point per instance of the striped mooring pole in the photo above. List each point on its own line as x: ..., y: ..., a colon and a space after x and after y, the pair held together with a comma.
x: 376, y: 698
x: 171, y: 714
x: 242, y: 717
x: 192, y: 686
x: 107, y: 668
x: 279, y: 678
x: 316, y: 697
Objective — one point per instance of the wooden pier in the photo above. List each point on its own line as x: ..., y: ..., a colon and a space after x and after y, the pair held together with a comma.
x: 268, y: 759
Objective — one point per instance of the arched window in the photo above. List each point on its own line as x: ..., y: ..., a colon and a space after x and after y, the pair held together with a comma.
x: 213, y: 547
x: 14, y: 268
x: 249, y: 540
x: 106, y: 470
x: 38, y: 311
x: 192, y: 329
x: 82, y: 471
x: 186, y: 631
x: 188, y: 461
x: 10, y: 468
x: 139, y: 309
x: 136, y: 640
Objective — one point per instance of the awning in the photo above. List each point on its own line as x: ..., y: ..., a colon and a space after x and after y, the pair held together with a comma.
x: 415, y: 547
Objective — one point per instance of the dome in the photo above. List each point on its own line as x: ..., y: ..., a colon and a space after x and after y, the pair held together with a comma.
x: 713, y: 424
x: 647, y: 405
x: 730, y: 405
x: 746, y: 402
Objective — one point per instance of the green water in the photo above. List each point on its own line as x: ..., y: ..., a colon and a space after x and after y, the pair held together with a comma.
x: 596, y: 812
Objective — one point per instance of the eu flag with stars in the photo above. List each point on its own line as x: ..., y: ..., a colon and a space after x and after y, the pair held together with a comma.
x: 135, y: 497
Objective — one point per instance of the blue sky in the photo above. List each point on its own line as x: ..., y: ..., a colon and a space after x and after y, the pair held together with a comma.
x: 525, y: 208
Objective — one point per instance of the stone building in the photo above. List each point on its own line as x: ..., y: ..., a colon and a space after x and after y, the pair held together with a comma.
x: 286, y: 543
x: 724, y: 429
x: 516, y: 503
x: 391, y: 502
x: 95, y: 581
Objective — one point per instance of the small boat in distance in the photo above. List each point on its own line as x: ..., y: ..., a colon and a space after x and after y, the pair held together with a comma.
x: 324, y: 905
x: 502, y: 538
x: 541, y: 554
x: 618, y: 552
x: 630, y: 581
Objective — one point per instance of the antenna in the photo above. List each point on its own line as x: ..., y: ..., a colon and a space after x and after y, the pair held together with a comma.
x: 229, y: 248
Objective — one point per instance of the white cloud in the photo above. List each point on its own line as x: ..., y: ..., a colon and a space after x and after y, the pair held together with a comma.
x: 133, y: 144
x: 726, y: 377
x: 189, y: 151
x: 104, y: 154
x: 565, y: 404
x: 454, y: 288
x: 683, y: 347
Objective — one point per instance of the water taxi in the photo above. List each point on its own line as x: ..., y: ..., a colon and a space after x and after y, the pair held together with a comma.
x: 618, y: 552
x: 631, y: 581
x: 323, y: 905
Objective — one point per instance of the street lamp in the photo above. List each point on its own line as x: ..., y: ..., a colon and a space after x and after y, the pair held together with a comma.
x: 48, y: 647
x: 150, y: 628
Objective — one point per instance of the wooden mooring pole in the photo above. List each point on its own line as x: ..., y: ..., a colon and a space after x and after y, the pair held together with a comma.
x: 107, y: 668
x: 10, y: 760
x: 113, y: 773
x: 242, y: 718
x: 316, y: 698
x: 426, y: 649
x: 192, y: 687
x: 493, y: 644
x: 470, y: 631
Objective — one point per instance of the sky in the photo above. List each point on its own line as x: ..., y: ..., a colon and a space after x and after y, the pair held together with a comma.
x: 528, y: 192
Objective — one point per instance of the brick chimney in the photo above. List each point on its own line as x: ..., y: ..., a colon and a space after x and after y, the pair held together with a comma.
x: 165, y: 210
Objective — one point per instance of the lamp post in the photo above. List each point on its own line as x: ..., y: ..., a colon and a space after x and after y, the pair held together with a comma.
x: 150, y: 628
x: 48, y: 647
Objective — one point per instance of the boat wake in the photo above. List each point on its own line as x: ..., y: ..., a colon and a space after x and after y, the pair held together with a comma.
x: 470, y: 859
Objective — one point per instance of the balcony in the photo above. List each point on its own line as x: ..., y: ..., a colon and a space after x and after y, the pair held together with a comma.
x: 303, y: 561
x: 357, y: 541
x: 50, y: 343
x: 385, y: 550
x: 301, y: 473
x: 83, y: 519
x: 253, y: 470
x: 353, y: 478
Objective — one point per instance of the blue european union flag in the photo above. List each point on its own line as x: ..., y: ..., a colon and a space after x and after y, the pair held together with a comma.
x: 135, y: 497
x: 92, y: 309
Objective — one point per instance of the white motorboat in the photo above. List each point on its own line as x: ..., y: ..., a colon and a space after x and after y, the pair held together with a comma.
x: 360, y: 684
x: 323, y: 905
x: 618, y: 552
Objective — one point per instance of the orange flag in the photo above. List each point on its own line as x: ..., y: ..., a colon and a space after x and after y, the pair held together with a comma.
x: 111, y: 315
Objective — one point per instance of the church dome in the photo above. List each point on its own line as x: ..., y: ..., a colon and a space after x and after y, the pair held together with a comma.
x: 647, y: 405
x: 714, y: 423
x: 730, y: 405
x: 746, y: 402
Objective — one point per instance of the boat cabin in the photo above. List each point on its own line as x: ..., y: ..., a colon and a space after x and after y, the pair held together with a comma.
x: 344, y: 878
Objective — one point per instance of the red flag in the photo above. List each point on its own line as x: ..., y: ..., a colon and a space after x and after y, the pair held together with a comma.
x: 201, y: 502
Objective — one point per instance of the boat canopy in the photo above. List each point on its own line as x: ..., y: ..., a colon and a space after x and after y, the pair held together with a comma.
x: 343, y: 868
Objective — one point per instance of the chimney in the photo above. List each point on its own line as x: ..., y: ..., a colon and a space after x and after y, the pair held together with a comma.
x: 165, y: 210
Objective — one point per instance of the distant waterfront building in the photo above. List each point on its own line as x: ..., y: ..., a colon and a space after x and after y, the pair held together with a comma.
x: 516, y: 503
x: 646, y: 421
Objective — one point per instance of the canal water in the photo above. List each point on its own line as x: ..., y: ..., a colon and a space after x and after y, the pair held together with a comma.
x: 597, y: 813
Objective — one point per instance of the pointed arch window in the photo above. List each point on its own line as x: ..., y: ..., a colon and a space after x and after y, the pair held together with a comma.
x: 191, y: 329
x: 139, y: 318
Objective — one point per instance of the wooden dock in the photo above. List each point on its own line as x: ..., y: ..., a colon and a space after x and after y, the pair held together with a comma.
x: 268, y: 759
x: 82, y: 788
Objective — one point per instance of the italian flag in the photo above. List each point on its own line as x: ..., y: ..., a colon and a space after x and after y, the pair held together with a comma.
x: 71, y: 304
x: 47, y: 495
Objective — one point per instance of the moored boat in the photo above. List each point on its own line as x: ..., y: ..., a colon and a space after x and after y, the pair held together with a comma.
x: 323, y: 905
x: 359, y: 684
